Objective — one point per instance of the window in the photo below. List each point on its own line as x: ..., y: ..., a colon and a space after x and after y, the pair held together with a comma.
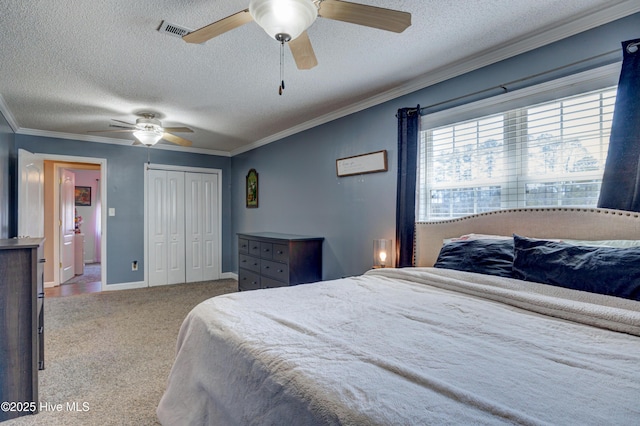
x: 548, y: 154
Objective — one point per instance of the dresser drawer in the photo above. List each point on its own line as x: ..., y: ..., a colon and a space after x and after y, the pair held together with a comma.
x: 281, y: 253
x: 266, y: 250
x: 249, y: 262
x: 248, y: 280
x: 243, y: 245
x: 276, y: 270
x: 254, y: 247
x: 266, y: 282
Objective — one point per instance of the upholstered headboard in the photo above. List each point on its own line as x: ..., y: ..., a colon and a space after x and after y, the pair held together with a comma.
x: 574, y: 223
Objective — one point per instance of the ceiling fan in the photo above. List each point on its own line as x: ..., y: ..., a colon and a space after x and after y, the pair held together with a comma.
x: 148, y: 131
x: 288, y: 20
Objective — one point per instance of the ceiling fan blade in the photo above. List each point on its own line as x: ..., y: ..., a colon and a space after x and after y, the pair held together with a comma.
x: 176, y: 139
x: 123, y: 122
x: 302, y: 52
x: 122, y: 127
x: 219, y: 27
x: 369, y: 16
x: 178, y: 129
x: 110, y: 131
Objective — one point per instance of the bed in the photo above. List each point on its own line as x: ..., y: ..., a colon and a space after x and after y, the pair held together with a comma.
x: 465, y: 337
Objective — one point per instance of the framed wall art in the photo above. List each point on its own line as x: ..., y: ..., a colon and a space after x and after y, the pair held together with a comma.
x: 252, y: 189
x: 360, y: 164
x: 83, y: 196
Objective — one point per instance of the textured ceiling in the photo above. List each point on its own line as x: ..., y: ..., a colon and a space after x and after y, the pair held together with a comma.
x: 70, y: 66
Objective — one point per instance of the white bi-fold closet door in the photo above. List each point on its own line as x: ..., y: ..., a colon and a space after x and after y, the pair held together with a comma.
x: 183, y: 224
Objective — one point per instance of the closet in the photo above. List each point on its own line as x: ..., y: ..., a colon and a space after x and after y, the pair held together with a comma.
x: 183, y: 226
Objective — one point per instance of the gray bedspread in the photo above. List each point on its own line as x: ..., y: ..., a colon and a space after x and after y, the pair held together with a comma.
x: 407, y: 347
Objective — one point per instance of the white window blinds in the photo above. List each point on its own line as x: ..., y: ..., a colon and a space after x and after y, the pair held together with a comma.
x: 548, y: 154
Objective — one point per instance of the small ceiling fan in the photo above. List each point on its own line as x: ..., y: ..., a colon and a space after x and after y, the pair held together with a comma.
x: 288, y: 20
x: 148, y: 131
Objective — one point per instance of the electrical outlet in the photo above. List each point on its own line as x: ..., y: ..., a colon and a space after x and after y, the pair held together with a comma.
x: 134, y: 265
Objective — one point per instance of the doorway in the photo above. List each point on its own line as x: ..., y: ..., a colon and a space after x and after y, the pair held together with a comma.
x: 80, y: 203
x: 51, y: 212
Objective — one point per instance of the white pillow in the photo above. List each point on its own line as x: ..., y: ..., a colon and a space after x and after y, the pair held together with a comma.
x: 468, y: 237
x: 604, y: 243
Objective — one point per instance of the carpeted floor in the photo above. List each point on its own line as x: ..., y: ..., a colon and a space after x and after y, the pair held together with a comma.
x: 108, y: 355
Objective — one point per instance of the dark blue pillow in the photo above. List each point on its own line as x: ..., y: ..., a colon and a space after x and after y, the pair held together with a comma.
x: 484, y: 256
x: 605, y: 270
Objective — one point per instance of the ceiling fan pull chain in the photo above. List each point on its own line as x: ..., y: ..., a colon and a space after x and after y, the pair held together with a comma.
x: 281, y: 88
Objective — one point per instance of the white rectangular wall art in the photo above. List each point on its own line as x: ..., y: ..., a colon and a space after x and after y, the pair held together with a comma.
x: 360, y: 164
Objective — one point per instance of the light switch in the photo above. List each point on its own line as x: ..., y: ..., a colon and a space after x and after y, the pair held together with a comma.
x: 112, y: 211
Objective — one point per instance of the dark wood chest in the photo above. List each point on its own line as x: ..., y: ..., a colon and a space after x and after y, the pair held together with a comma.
x: 269, y: 259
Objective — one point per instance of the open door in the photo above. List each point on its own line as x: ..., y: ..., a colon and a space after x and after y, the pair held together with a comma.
x: 30, y: 195
x: 67, y: 224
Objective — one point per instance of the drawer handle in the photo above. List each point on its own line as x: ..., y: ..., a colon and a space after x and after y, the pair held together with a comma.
x: 280, y: 252
x: 267, y: 250
x: 42, y: 260
x: 266, y: 267
x: 41, y: 295
x: 243, y: 261
x: 280, y: 271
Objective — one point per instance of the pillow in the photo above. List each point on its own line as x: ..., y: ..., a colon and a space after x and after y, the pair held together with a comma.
x: 490, y: 256
x: 607, y: 270
x: 476, y: 237
x: 606, y: 243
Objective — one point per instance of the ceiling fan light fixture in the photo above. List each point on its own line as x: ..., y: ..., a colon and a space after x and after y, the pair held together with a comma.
x: 283, y: 17
x: 148, y: 136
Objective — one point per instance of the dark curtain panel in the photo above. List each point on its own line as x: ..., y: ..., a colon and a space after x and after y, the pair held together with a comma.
x: 408, y: 127
x: 621, y: 179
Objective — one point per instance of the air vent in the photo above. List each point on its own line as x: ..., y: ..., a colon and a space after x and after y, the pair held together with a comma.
x: 173, y: 29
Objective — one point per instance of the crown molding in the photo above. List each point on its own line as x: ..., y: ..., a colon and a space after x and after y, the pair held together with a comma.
x: 113, y: 141
x: 6, y: 112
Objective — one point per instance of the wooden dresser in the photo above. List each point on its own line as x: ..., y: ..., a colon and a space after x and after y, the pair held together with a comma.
x: 21, y: 324
x: 269, y: 259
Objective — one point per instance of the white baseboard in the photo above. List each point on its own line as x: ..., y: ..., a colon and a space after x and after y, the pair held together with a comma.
x: 142, y: 284
x: 229, y: 275
x: 124, y: 286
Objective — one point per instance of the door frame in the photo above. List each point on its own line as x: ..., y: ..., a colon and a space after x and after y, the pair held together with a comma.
x: 168, y: 167
x: 102, y: 162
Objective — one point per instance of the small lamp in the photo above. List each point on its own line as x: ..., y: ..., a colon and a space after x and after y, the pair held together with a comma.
x: 382, y: 254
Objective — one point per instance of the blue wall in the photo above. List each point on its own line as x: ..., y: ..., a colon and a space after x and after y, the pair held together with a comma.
x: 299, y: 190
x: 125, y: 193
